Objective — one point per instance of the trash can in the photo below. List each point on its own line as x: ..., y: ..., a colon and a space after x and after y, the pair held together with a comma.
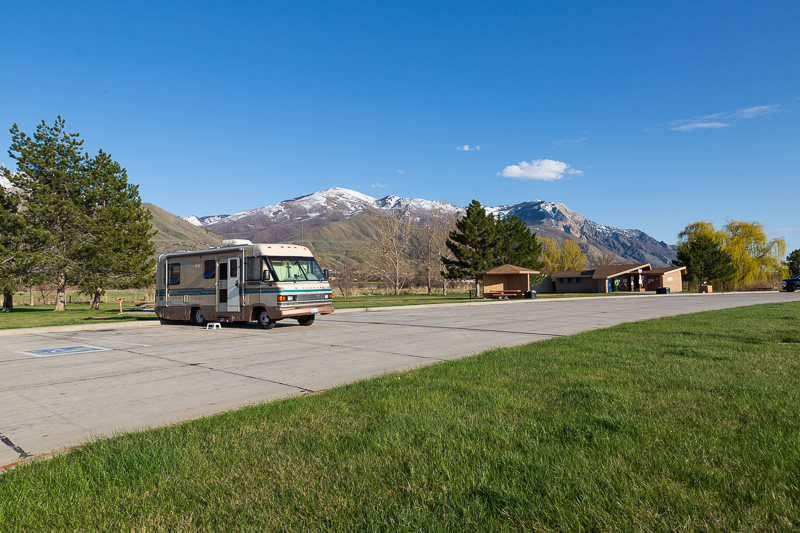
x: 530, y: 294
x: 662, y: 290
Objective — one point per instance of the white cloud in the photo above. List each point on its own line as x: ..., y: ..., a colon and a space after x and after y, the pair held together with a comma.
x: 699, y: 125
x: 723, y: 120
x: 378, y: 185
x: 574, y: 142
x: 540, y: 169
x: 468, y: 148
x: 401, y: 171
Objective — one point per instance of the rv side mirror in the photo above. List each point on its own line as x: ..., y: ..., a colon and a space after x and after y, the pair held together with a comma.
x: 265, y: 275
x: 326, y: 273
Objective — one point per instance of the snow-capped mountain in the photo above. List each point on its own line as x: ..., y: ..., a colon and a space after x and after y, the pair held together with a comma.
x: 288, y: 219
x: 629, y: 244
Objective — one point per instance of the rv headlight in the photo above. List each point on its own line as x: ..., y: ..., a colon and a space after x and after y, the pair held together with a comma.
x: 286, y: 298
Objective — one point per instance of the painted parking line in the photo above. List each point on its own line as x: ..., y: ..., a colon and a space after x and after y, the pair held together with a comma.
x: 93, y: 339
x: 64, y: 350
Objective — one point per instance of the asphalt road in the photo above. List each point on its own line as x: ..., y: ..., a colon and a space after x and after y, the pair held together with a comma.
x: 60, y: 388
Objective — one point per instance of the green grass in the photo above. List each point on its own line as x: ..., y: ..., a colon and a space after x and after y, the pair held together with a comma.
x: 681, y: 423
x: 43, y: 315
x: 391, y: 300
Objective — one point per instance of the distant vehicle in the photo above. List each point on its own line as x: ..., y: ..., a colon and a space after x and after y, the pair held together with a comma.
x: 241, y: 281
x: 791, y: 284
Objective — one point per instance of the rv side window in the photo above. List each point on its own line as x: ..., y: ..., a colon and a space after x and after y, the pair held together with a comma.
x: 254, y: 266
x: 223, y: 271
x: 210, y: 269
x: 175, y: 274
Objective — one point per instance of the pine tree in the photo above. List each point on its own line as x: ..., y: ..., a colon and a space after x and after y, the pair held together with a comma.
x: 705, y: 260
x: 83, y: 223
x: 473, y: 244
x: 518, y: 245
x: 52, y: 183
x: 793, y: 263
x: 11, y: 225
x: 120, y: 253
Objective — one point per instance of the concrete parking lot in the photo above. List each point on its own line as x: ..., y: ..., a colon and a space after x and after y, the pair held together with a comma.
x: 63, y: 387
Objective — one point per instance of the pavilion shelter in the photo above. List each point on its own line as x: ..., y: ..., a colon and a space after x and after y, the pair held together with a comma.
x: 507, y: 281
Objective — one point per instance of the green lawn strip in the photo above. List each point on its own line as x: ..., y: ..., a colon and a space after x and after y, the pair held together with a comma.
x: 43, y: 315
x: 687, y: 422
x: 391, y: 300
x: 25, y: 316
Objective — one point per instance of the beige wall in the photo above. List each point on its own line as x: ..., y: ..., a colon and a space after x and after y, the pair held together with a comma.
x: 581, y: 285
x: 673, y: 280
x: 508, y: 282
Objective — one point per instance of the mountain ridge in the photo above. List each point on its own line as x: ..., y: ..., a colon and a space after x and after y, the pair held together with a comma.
x: 293, y: 218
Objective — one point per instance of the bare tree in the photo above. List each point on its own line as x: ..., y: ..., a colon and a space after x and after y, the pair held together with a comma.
x: 604, y: 257
x: 387, y: 254
x: 346, y: 279
x: 429, y: 246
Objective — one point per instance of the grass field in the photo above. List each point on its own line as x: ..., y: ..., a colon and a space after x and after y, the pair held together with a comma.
x: 43, y: 315
x: 682, y: 423
x: 25, y: 316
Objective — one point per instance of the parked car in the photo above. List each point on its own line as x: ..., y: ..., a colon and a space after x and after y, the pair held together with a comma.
x: 791, y: 284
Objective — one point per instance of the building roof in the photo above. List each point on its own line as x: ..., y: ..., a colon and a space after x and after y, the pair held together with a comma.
x: 509, y: 269
x: 611, y: 271
x: 573, y: 274
x: 666, y: 270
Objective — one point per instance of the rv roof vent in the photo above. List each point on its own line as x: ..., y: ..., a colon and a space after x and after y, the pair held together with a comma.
x: 235, y: 242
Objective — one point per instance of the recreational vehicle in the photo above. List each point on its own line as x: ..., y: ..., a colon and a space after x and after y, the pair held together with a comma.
x: 241, y: 281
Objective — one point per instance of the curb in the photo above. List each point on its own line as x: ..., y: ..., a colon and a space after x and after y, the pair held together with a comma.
x: 155, y: 322
x: 79, y: 327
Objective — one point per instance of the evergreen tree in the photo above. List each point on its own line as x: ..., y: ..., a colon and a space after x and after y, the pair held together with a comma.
x: 10, y: 250
x: 473, y: 244
x: 793, y: 262
x: 518, y: 245
x: 51, y: 182
x: 705, y: 260
x: 83, y: 222
x: 120, y: 254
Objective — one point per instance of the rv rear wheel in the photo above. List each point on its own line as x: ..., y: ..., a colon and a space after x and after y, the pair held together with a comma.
x: 197, y: 318
x: 265, y: 321
x: 306, y: 320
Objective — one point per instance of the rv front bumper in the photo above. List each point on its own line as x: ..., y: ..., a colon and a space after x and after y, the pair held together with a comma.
x: 300, y: 310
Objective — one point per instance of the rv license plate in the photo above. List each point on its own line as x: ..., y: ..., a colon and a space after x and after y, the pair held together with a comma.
x: 314, y: 310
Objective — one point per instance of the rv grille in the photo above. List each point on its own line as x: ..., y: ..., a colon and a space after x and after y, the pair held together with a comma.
x: 313, y: 297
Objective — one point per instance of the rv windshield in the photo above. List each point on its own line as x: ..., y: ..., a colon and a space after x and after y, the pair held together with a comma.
x: 296, y: 269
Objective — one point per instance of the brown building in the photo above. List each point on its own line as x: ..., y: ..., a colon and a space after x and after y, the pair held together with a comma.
x: 506, y: 281
x: 637, y: 277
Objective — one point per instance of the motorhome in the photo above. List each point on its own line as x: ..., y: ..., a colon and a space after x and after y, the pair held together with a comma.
x: 241, y: 281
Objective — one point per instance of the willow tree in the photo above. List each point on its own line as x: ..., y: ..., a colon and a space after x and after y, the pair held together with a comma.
x: 756, y: 257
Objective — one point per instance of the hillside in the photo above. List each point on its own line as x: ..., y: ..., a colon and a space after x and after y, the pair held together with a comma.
x: 333, y: 221
x: 174, y: 233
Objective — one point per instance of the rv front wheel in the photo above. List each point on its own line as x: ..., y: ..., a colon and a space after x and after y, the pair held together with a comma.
x: 265, y: 321
x: 197, y: 318
x: 306, y: 320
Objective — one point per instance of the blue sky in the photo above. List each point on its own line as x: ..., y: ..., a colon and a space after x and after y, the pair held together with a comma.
x: 647, y: 115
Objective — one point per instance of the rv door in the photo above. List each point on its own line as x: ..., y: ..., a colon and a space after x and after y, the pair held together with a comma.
x: 233, y: 284
x: 228, y: 286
